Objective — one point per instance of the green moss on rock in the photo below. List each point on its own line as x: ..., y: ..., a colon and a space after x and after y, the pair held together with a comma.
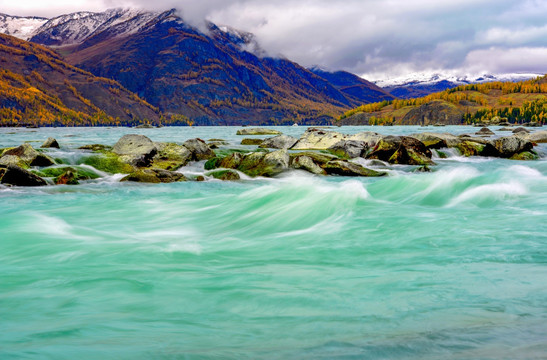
x: 110, y: 163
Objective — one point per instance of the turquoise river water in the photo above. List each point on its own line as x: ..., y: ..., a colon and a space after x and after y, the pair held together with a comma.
x: 444, y: 265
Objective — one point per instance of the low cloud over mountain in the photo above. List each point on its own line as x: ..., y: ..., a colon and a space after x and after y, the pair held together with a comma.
x: 377, y: 39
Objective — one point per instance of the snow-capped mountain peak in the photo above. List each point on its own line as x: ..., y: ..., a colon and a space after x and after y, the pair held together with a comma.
x: 19, y: 26
x: 434, y: 78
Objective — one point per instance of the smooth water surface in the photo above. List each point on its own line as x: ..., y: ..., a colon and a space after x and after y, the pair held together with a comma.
x: 444, y: 265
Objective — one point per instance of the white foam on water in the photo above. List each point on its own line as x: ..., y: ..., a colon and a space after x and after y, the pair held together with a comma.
x: 490, y: 191
x: 524, y: 171
x: 54, y: 226
x: 171, y: 240
x: 448, y: 178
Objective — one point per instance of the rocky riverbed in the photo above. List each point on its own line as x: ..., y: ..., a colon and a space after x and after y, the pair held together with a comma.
x: 318, y: 151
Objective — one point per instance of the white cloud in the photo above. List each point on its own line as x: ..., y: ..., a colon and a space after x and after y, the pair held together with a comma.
x: 378, y: 38
x: 512, y: 60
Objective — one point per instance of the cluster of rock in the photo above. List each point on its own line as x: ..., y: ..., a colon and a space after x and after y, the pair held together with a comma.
x: 318, y: 151
x: 137, y: 156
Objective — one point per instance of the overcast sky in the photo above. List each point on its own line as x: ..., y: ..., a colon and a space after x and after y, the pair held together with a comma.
x: 374, y: 38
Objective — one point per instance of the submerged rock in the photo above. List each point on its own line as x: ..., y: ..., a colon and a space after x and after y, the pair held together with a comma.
x: 520, y: 129
x: 17, y: 176
x: 96, y: 147
x: 485, y: 132
x: 67, y: 178
x: 525, y: 155
x: 79, y: 172
x: 257, y: 131
x: 154, y: 176
x: 248, y: 141
x: 50, y: 143
x: 225, y: 175
x: 279, y: 142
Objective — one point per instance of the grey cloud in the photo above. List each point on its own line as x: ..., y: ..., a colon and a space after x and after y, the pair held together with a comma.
x: 379, y: 38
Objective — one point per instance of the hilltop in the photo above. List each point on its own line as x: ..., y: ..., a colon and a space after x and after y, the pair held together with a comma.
x: 513, y: 102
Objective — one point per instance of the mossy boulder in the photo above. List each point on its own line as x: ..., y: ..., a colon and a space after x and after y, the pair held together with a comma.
x: 67, y: 178
x: 485, y: 132
x: 80, y: 172
x: 231, y: 161
x: 155, y: 176
x: 212, y: 163
x: 250, y: 164
x: 318, y: 139
x: 171, y: 156
x: 318, y: 158
x: 510, y: 145
x: 470, y: 148
x: 525, y: 155
x: 17, y: 176
x: 346, y: 168
x: 279, y: 142
x: 304, y: 162
x: 199, y: 149
x: 96, y: 147
x: 348, y: 149
x: 248, y: 141
x: 28, y: 156
x: 110, y: 163
x: 136, y: 150
x: 257, y: 131
x: 225, y: 175
x: 50, y: 143
x: 401, y: 150
x: 13, y: 160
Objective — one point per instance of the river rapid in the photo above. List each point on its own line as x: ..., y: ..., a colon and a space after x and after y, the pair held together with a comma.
x: 450, y: 264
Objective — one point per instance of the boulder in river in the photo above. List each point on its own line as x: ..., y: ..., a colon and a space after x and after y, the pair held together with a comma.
x: 171, y: 156
x: 225, y: 175
x: 318, y: 139
x: 279, y: 142
x: 510, y: 145
x: 348, y: 148
x: 28, y: 156
x: 17, y: 176
x: 257, y: 131
x: 401, y: 150
x: 520, y: 129
x: 304, y: 162
x: 535, y: 137
x: 136, y: 150
x: 346, y: 168
x: 154, y: 176
x: 199, y: 149
x: 485, y: 132
x: 249, y: 141
x: 50, y: 143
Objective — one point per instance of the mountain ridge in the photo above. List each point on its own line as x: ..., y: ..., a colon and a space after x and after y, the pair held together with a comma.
x: 217, y: 77
x: 37, y: 87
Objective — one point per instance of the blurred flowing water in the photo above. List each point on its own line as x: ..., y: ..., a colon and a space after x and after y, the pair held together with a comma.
x: 450, y: 264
